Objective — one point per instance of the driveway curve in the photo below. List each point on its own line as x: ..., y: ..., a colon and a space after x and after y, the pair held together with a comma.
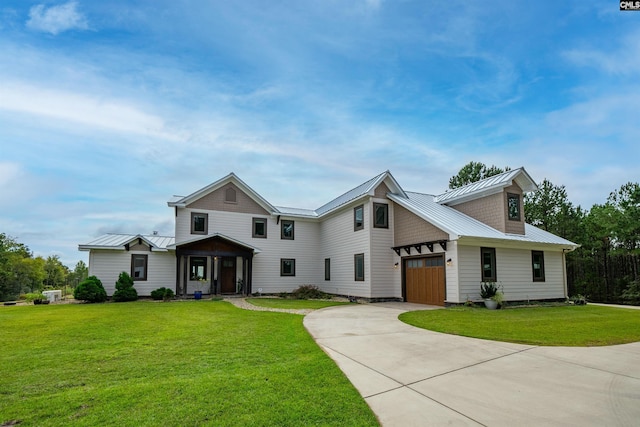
x: 414, y: 377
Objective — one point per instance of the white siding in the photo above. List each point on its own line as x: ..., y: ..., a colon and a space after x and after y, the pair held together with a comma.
x: 385, y: 279
x: 107, y: 265
x: 266, y: 264
x: 339, y: 242
x: 514, y: 274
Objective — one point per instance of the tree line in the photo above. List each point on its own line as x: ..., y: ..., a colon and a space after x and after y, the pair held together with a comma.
x: 605, y: 268
x: 21, y: 272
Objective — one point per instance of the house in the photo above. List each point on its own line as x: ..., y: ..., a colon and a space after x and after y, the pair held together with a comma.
x: 376, y: 242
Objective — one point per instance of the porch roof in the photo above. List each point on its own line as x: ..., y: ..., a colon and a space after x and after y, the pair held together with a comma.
x: 216, y: 235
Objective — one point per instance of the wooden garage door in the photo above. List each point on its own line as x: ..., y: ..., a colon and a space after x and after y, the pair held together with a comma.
x: 424, y: 280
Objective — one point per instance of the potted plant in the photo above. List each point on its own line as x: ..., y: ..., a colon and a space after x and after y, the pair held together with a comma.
x: 197, y: 294
x: 491, y: 295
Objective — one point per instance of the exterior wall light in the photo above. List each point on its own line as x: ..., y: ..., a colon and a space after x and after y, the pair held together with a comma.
x: 449, y: 262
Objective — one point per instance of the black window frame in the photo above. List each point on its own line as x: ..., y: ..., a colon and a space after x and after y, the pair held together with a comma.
x: 533, y: 266
x: 144, y: 257
x: 492, y: 254
x: 358, y: 226
x: 518, y: 207
x: 282, y: 232
x: 358, y: 258
x: 253, y: 228
x: 327, y: 269
x: 385, y: 223
x: 291, y: 273
x: 192, y: 265
x: 205, y: 217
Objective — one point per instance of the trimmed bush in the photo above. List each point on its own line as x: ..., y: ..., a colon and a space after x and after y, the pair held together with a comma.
x: 162, y: 293
x: 90, y: 290
x: 124, y: 289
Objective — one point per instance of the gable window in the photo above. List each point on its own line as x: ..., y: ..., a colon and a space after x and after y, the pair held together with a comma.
x: 287, y: 267
x: 358, y: 266
x: 537, y: 265
x: 358, y: 218
x: 259, y: 228
x: 139, y: 267
x: 286, y: 230
x: 381, y: 215
x: 327, y: 269
x: 513, y: 206
x: 230, y: 195
x: 199, y: 223
x: 197, y: 268
x: 488, y: 259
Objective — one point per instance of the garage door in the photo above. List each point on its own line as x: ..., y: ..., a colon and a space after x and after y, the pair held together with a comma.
x: 424, y: 280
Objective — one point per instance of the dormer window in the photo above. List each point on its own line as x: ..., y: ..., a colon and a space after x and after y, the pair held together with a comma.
x: 513, y: 206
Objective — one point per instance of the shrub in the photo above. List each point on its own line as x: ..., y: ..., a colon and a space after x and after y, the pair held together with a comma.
x: 309, y: 292
x: 124, y: 289
x: 90, y: 290
x: 162, y: 293
x: 488, y: 290
x: 34, y: 296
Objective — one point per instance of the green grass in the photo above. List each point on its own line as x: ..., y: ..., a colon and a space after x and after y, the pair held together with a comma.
x: 298, y: 304
x: 553, y: 326
x: 169, y: 364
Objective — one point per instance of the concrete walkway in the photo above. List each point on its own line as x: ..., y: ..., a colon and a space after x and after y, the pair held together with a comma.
x: 414, y: 377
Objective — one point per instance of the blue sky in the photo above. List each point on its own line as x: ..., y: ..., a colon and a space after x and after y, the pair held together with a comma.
x: 109, y: 108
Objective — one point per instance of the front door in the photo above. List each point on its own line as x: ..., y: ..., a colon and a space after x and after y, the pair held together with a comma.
x: 228, y: 275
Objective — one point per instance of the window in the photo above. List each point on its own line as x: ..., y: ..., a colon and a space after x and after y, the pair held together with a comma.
x: 286, y: 230
x: 537, y: 265
x: 287, y: 267
x: 230, y: 195
x: 513, y: 206
x: 358, y: 218
x: 381, y: 215
x: 359, y: 267
x: 139, y: 267
x: 199, y: 223
x: 488, y: 260
x: 259, y: 228
x: 197, y: 268
x: 327, y: 269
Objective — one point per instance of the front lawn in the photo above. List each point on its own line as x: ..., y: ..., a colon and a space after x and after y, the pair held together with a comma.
x: 298, y: 304
x: 170, y: 364
x: 554, y: 326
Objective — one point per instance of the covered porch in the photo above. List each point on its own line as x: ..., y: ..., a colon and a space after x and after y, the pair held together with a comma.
x: 214, y: 265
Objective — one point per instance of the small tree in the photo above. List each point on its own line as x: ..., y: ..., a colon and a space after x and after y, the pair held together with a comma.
x: 90, y: 290
x: 124, y: 289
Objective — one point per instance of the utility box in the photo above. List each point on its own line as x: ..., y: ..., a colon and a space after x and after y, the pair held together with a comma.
x: 52, y: 296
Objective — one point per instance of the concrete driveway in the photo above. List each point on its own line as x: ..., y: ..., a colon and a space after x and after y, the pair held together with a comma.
x: 414, y: 377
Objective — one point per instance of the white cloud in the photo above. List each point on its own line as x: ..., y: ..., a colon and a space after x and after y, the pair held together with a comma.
x: 56, y: 19
x: 625, y: 60
x: 113, y: 115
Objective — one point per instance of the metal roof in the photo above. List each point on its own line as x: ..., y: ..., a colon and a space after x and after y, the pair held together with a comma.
x: 296, y: 212
x: 118, y: 241
x: 209, y: 236
x: 487, y: 186
x: 459, y: 225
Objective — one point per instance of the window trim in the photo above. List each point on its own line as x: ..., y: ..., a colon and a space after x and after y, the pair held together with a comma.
x: 293, y: 230
x: 327, y: 269
x: 533, y: 269
x: 253, y: 228
x: 293, y: 267
x: 191, y: 259
x: 146, y: 267
x: 357, y: 257
x: 492, y: 252
x: 357, y: 227
x: 516, y: 197
x: 206, y: 222
x: 385, y: 224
